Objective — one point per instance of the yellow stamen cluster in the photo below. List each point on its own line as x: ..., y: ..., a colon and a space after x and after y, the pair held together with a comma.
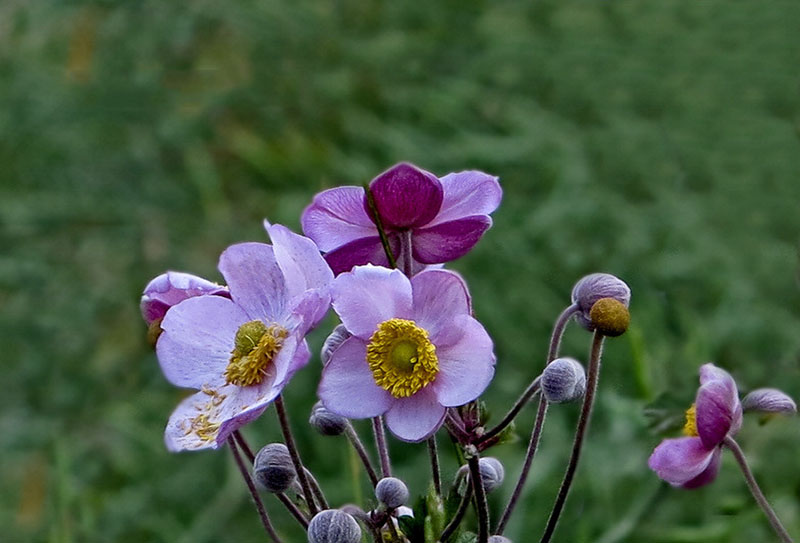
x: 203, y: 428
x: 690, y: 428
x: 255, y: 348
x: 401, y: 357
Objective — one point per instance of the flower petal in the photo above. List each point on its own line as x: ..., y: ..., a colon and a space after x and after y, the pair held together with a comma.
x: 466, y: 194
x: 198, y: 338
x: 707, y: 475
x: 439, y: 296
x: 360, y: 252
x: 181, y: 433
x: 716, y: 405
x: 416, y: 417
x: 300, y: 261
x: 255, y: 280
x: 769, y: 400
x: 406, y: 196
x: 369, y: 295
x: 172, y: 287
x: 347, y: 387
x: 710, y: 372
x: 449, y: 240
x: 466, y: 367
x: 337, y: 217
x: 680, y: 460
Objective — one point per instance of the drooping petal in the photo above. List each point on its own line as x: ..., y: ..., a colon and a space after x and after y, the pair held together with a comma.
x: 369, y: 295
x: 198, y: 338
x: 416, y: 417
x: 255, y: 280
x: 171, y: 288
x: 466, y: 194
x: 360, y: 252
x: 449, y: 240
x: 708, y: 474
x: 680, y: 460
x: 347, y: 387
x: 406, y: 196
x: 466, y: 367
x: 300, y: 261
x: 189, y: 427
x: 769, y: 400
x: 337, y: 217
x: 716, y: 405
x: 439, y: 297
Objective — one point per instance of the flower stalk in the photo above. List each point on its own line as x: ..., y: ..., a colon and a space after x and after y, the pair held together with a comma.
x: 262, y: 512
x: 283, y: 419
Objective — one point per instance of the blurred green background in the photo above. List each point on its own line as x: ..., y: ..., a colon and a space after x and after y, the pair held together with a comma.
x: 654, y: 140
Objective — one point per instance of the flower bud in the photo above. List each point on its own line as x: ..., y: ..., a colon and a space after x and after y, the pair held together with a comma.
x: 492, y: 473
x: 332, y: 342
x: 610, y: 317
x: 333, y: 526
x: 499, y: 539
x: 391, y: 492
x: 273, y: 468
x: 593, y: 287
x: 769, y: 400
x: 563, y: 380
x: 326, y: 422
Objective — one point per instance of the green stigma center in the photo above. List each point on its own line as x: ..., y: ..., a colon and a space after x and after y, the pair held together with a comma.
x: 401, y: 357
x: 255, y: 347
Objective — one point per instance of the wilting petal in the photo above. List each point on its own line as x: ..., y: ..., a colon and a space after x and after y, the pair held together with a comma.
x: 171, y: 288
x: 716, y: 405
x: 416, y: 417
x: 439, y: 296
x: 466, y: 194
x: 449, y: 240
x: 769, y: 400
x: 300, y: 261
x: 347, y: 387
x: 406, y: 196
x: 337, y: 217
x: 708, y: 474
x: 369, y: 295
x: 198, y: 338
x: 255, y: 280
x: 360, y: 252
x: 466, y: 367
x: 680, y: 460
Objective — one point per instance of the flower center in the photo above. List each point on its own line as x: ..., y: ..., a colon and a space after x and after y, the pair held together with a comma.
x: 401, y: 357
x: 690, y: 428
x: 254, y: 350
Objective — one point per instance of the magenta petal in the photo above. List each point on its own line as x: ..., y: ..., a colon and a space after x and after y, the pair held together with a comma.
x: 716, y: 405
x: 680, y: 460
x: 417, y: 417
x: 466, y: 367
x: 337, y: 217
x: 439, y: 297
x: 255, y: 280
x: 360, y: 252
x: 300, y: 261
x: 708, y: 474
x: 198, y: 338
x: 171, y: 288
x: 347, y: 387
x: 369, y: 295
x: 466, y: 194
x: 406, y: 196
x: 450, y: 240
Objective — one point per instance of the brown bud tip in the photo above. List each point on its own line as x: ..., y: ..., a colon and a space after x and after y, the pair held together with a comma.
x: 610, y: 317
x: 153, y: 332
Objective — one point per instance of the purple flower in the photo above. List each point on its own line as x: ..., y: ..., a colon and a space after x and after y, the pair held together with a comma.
x: 443, y: 218
x: 693, y: 461
x: 240, y: 352
x: 171, y: 288
x: 415, y: 349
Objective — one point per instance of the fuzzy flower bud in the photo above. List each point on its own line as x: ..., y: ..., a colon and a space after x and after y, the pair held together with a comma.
x: 499, y: 539
x: 332, y: 342
x: 610, y: 317
x: 333, y: 526
x: 492, y: 473
x: 769, y: 400
x: 326, y: 422
x: 273, y: 468
x: 563, y: 380
x: 391, y: 492
x: 593, y: 287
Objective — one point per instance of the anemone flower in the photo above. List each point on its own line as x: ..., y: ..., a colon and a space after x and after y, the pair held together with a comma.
x: 415, y: 349
x: 434, y: 219
x: 240, y: 352
x: 693, y: 461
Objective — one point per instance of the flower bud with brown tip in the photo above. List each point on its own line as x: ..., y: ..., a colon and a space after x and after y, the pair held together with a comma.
x: 593, y: 287
x: 333, y: 526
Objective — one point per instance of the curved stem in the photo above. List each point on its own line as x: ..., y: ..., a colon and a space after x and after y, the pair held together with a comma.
x: 480, y: 498
x: 298, y: 464
x: 380, y: 443
x: 352, y: 436
x: 242, y: 442
x: 756, y: 490
x: 580, y: 432
x: 526, y: 396
x: 293, y: 509
x: 434, y: 455
x: 317, y: 490
x: 262, y: 512
x: 541, y: 413
x: 459, y: 514
x: 373, y: 211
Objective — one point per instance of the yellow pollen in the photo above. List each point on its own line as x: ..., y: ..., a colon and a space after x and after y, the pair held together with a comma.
x: 401, y: 357
x: 255, y: 348
x: 204, y: 428
x: 690, y: 428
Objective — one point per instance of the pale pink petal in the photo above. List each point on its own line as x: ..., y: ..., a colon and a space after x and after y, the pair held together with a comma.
x: 337, y: 217
x: 680, y: 460
x: 416, y: 417
x: 468, y: 193
x: 439, y: 297
x: 300, y: 261
x: 255, y: 280
x: 466, y: 367
x: 170, y: 288
x: 181, y: 433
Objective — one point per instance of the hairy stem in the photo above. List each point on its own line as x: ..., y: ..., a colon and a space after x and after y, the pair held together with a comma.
x: 293, y: 509
x: 526, y: 396
x: 262, y: 512
x: 434, y: 455
x: 245, y: 448
x: 355, y: 441
x: 480, y: 498
x: 452, y: 526
x: 298, y: 464
x: 380, y: 443
x: 373, y: 211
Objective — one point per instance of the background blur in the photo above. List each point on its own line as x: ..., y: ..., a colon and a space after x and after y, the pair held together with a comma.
x: 656, y: 141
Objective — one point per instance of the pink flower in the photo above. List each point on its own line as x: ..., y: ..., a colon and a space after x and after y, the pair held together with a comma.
x: 693, y: 461
x: 444, y: 218
x: 171, y: 288
x: 415, y: 349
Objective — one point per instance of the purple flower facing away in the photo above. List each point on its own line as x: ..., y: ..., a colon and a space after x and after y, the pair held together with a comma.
x: 693, y: 461
x: 240, y: 352
x: 443, y: 218
x: 171, y: 288
x: 415, y: 349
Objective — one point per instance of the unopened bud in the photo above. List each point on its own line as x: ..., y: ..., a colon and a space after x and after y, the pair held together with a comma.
x: 332, y: 342
x: 610, y: 317
x: 171, y: 288
x: 333, y: 526
x: 492, y: 473
x: 326, y: 422
x: 273, y: 468
x: 769, y: 400
x: 593, y: 287
x: 391, y: 492
x: 499, y: 539
x: 563, y: 380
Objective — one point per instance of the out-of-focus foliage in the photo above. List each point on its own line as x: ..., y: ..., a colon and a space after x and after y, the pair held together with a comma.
x: 654, y: 140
